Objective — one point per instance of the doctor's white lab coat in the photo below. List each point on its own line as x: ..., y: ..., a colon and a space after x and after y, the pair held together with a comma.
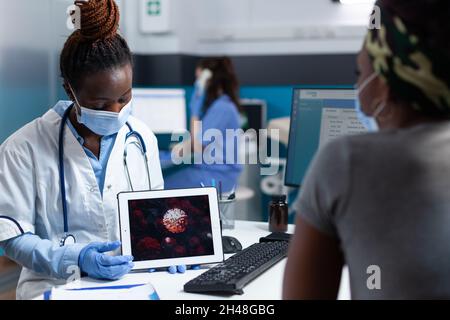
x: 30, y: 188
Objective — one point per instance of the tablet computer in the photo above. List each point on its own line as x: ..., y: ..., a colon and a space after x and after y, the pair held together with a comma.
x: 170, y: 227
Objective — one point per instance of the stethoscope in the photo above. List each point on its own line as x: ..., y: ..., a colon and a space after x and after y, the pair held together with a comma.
x: 69, y: 238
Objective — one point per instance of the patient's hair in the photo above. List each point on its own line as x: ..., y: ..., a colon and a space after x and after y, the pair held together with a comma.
x: 96, y: 46
x: 427, y: 19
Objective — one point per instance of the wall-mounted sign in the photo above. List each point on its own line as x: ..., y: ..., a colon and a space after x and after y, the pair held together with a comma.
x: 154, y: 16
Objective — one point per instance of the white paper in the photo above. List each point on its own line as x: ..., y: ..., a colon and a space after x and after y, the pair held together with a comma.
x: 337, y: 122
x: 143, y: 292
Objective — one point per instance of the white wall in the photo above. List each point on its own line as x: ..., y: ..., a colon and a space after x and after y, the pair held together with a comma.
x: 252, y: 27
x: 29, y: 44
x: 180, y: 40
x: 32, y: 35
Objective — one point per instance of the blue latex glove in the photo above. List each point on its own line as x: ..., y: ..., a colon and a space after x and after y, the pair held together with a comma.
x: 180, y: 269
x: 172, y: 269
x: 196, y: 103
x: 96, y: 264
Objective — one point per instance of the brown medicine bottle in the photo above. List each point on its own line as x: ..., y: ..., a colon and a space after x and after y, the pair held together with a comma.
x: 278, y: 214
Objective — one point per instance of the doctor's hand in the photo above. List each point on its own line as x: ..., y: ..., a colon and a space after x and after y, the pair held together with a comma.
x: 177, y: 269
x: 96, y: 264
x: 171, y: 269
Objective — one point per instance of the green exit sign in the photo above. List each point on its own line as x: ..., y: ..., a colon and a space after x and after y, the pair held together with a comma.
x: 154, y: 8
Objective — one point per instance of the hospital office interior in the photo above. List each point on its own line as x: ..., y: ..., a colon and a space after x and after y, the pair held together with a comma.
x: 275, y: 47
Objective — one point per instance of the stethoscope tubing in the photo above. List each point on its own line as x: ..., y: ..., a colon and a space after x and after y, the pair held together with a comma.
x: 62, y: 178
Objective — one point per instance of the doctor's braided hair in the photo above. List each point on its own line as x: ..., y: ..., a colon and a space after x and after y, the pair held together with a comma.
x: 96, y: 46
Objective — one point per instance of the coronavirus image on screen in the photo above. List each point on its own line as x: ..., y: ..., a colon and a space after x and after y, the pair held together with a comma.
x: 170, y: 228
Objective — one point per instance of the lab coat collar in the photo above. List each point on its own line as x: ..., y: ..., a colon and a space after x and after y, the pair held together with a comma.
x: 74, y: 152
x: 115, y: 159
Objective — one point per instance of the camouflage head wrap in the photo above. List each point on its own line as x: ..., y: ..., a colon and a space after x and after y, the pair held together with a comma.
x: 416, y: 74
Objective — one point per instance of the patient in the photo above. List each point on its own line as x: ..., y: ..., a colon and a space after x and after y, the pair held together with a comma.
x: 9, y: 274
x: 380, y: 202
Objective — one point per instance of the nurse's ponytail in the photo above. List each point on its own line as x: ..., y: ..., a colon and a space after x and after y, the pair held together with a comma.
x: 96, y: 46
x: 224, y: 80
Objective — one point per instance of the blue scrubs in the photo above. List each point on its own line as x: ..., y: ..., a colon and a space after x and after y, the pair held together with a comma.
x: 222, y: 115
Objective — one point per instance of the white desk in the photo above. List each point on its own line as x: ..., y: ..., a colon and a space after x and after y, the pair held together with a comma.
x: 267, y: 286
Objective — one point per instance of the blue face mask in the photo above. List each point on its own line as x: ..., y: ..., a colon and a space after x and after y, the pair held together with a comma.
x: 369, y: 122
x: 103, y: 123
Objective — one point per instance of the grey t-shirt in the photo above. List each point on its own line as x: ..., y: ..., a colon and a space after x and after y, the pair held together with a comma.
x: 386, y: 197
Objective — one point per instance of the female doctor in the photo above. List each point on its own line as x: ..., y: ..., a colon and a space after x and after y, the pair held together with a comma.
x: 60, y: 174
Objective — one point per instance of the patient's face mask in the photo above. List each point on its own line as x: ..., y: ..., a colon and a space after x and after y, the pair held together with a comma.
x: 103, y: 123
x: 368, y: 121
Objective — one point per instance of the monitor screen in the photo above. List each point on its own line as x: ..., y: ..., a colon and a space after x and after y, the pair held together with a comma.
x: 254, y: 114
x: 176, y: 227
x: 318, y: 116
x: 162, y: 110
x: 253, y: 117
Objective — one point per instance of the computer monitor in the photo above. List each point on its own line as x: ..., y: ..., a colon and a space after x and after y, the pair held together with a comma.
x: 318, y: 116
x: 254, y: 114
x: 163, y: 110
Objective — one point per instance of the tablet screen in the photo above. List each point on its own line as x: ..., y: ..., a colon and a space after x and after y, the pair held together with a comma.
x: 174, y: 227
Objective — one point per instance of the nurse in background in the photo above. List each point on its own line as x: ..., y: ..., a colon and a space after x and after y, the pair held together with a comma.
x: 214, y: 105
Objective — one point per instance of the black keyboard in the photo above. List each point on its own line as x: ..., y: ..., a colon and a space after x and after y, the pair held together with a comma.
x: 234, y: 273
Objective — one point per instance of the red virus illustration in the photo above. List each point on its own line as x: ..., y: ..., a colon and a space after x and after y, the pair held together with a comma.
x: 149, y: 244
x: 175, y: 220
